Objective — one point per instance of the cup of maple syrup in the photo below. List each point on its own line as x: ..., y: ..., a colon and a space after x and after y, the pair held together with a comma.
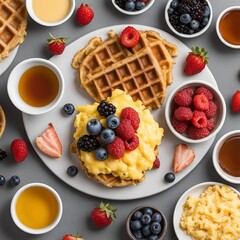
x: 228, y: 27
x: 226, y: 156
x: 35, y: 86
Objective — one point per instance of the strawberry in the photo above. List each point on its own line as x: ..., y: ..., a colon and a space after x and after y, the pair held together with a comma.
x: 19, y: 150
x: 49, y: 142
x: 84, y: 14
x: 183, y: 156
x: 195, y: 61
x: 103, y: 215
x: 71, y: 237
x: 236, y: 101
x: 129, y: 37
x: 56, y: 45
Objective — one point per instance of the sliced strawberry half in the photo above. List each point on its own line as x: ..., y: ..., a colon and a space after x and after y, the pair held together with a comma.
x: 49, y: 142
x: 183, y: 156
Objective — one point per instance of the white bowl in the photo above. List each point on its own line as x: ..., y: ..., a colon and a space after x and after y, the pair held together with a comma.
x: 188, y: 35
x: 31, y: 230
x: 13, y: 80
x: 215, y: 157
x: 219, y: 118
x: 31, y: 12
x: 148, y: 5
x: 217, y: 26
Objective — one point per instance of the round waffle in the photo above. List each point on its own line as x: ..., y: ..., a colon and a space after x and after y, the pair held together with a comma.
x: 2, y: 121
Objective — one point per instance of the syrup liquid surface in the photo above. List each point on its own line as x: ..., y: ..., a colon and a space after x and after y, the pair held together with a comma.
x: 38, y: 86
x: 229, y: 156
x: 229, y: 27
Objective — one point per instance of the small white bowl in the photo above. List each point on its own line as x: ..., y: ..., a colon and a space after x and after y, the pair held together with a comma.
x: 215, y: 157
x: 29, y: 5
x: 218, y: 30
x: 13, y: 81
x: 188, y: 35
x: 31, y: 230
x: 219, y: 118
x: 148, y: 5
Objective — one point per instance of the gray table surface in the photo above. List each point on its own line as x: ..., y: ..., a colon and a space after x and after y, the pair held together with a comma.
x: 224, y: 64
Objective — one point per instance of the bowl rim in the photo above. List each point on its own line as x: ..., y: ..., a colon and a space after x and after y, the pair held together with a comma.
x: 188, y: 35
x: 49, y: 24
x: 215, y: 161
x: 226, y: 10
x: 133, y: 13
x: 31, y: 230
x: 168, y: 104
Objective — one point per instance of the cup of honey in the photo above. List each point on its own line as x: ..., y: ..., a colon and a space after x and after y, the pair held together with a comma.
x: 226, y: 156
x: 228, y: 27
x: 36, y: 208
x: 35, y: 86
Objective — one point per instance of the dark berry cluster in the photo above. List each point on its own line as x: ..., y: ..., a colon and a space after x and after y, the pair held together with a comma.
x: 131, y: 5
x: 106, y: 109
x: 87, y: 143
x: 3, y: 154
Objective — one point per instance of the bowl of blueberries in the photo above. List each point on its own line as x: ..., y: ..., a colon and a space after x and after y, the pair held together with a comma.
x: 146, y: 223
x: 188, y: 18
x: 132, y: 7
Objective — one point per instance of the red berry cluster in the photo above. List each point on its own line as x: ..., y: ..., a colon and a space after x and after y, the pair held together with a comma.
x: 193, y: 112
x: 126, y: 138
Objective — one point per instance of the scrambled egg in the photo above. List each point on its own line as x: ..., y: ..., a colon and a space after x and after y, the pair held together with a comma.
x: 133, y: 164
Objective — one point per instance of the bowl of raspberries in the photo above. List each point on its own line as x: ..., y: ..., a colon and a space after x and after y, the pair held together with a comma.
x: 132, y: 7
x: 188, y: 18
x: 195, y: 111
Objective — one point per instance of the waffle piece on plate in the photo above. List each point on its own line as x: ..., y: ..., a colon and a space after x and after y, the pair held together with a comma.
x: 13, y: 23
x: 2, y: 121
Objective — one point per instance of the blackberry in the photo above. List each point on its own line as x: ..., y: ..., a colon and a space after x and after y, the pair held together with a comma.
x: 121, y: 3
x: 105, y: 108
x: 87, y: 143
x: 3, y: 154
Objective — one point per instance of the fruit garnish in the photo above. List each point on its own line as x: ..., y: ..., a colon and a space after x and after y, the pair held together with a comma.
x: 94, y: 127
x: 199, y: 119
x: 106, y: 109
x: 2, y: 121
x: 101, y: 153
x: 3, y: 154
x: 197, y: 133
x: 195, y: 61
x: 183, y: 156
x: 129, y: 37
x: 201, y: 102
x: 112, y: 121
x: 49, y: 142
x: 183, y: 98
x: 103, y: 215
x: 2, y: 180
x: 156, y: 163
x: 14, y: 180
x: 68, y: 108
x: 107, y: 136
x: 72, y: 237
x: 56, y: 45
x: 72, y: 171
x: 116, y: 148
x: 132, y: 115
x: 19, y: 150
x: 125, y: 129
x: 183, y: 113
x: 236, y: 101
x: 180, y: 126
x: 132, y: 143
x: 169, y: 177
x: 84, y: 14
x: 210, y: 113
x: 206, y: 92
x: 87, y: 143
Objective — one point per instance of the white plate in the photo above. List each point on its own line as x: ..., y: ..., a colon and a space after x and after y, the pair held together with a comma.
x: 154, y: 182
x: 6, y: 62
x: 196, y: 191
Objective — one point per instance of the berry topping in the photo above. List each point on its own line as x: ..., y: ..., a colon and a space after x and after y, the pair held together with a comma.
x: 72, y: 171
x: 84, y: 14
x: 94, y: 127
x: 19, y: 150
x: 183, y: 98
x: 212, y: 110
x: 105, y: 109
x: 183, y: 114
x: 210, y: 124
x: 107, y: 136
x: 68, y: 109
x: 132, y: 115
x: 169, y: 177
x: 14, y: 180
x: 236, y: 101
x: 3, y: 154
x: 125, y: 130
x: 113, y: 121
x: 197, y: 133
x: 156, y: 163
x: 87, y: 143
x: 132, y: 143
x: 129, y: 37
x: 201, y: 102
x: 2, y: 180
x: 199, y: 119
x: 56, y: 45
x: 101, y: 153
x: 206, y: 92
x: 180, y: 126
x: 116, y: 148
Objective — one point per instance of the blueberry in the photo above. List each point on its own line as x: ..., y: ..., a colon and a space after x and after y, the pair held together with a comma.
x: 94, y: 127
x: 205, y: 21
x: 68, y: 108
x: 169, y: 177
x: 2, y: 180
x: 138, y: 234
x: 146, y: 231
x: 140, y: 5
x: 206, y: 12
x: 148, y: 211
x: 170, y: 10
x: 145, y: 219
x: 156, y: 217
x: 156, y: 228
x: 14, y: 180
x: 137, y: 215
x: 72, y: 171
x: 130, y: 5
x: 107, y: 136
x: 135, y: 225
x: 194, y: 24
x: 174, y: 4
x: 113, y: 121
x: 101, y: 153
x: 153, y: 237
x: 185, y: 18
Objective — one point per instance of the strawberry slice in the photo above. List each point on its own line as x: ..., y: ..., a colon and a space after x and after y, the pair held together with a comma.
x: 49, y: 142
x: 183, y: 156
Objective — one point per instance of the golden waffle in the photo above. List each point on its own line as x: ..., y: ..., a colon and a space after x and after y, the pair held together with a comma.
x: 13, y: 23
x: 2, y: 121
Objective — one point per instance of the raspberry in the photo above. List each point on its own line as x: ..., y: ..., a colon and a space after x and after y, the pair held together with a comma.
x: 180, y: 126
x: 206, y: 92
x: 189, y: 91
x: 156, y: 163
x: 183, y: 114
x: 125, y: 130
x: 116, y: 148
x: 19, y: 150
x: 129, y: 37
x: 197, y: 133
x: 183, y: 98
x: 132, y: 115
x: 199, y: 119
x: 201, y: 102
x: 132, y: 143
x: 212, y: 110
x: 210, y: 124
